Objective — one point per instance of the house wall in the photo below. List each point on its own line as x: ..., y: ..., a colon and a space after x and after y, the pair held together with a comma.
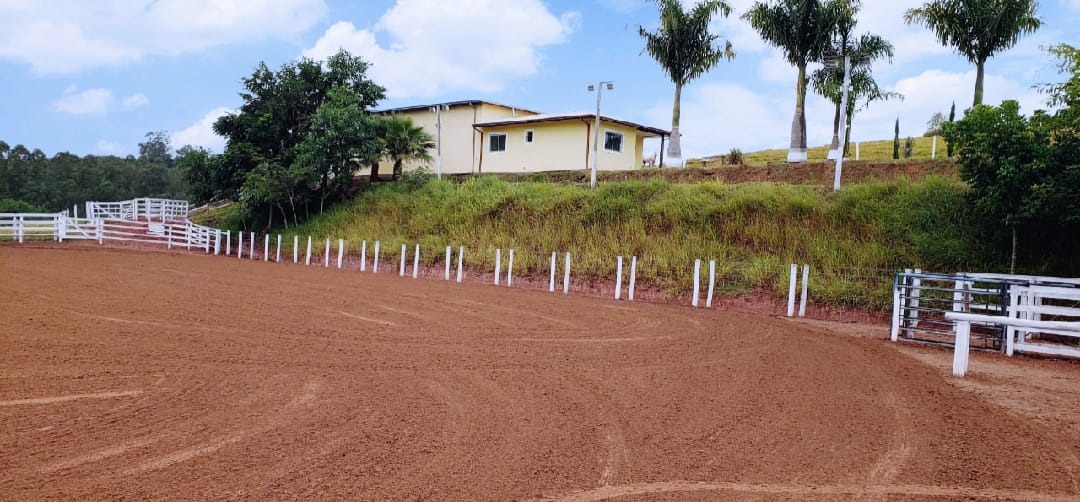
x: 559, y: 146
x: 460, y: 143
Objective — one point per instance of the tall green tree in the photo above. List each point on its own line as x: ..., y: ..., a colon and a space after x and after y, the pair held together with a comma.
x: 403, y: 141
x: 896, y: 140
x: 157, y: 148
x: 803, y: 31
x: 683, y: 46
x: 977, y: 29
x: 952, y: 118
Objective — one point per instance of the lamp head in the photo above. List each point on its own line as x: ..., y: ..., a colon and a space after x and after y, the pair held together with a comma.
x: 610, y: 86
x: 592, y: 88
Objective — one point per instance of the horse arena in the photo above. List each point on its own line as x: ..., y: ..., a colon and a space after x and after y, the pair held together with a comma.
x: 143, y: 374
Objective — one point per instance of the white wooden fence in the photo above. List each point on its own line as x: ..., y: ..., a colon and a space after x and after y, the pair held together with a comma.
x: 139, y: 209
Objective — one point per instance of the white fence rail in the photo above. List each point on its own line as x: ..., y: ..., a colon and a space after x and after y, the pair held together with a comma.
x: 139, y: 209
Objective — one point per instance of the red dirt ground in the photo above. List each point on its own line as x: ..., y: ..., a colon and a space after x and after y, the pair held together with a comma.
x: 127, y: 374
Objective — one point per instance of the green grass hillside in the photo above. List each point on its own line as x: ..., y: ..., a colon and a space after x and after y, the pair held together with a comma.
x: 854, y: 240
x: 878, y: 151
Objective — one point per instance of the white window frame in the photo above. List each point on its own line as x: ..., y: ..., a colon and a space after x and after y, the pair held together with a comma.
x: 622, y: 141
x: 506, y: 142
x: 528, y: 140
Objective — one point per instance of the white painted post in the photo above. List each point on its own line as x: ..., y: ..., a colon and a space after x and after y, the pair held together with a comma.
x: 916, y: 292
x: 791, y: 290
x: 697, y: 283
x: 19, y: 228
x: 460, y: 257
x: 217, y: 242
x: 712, y: 282
x: 266, y: 247
x: 340, y: 251
x: 375, y: 267
x: 239, y: 244
x: 251, y: 245
x: 961, y: 349
x: 295, y: 249
x: 498, y: 265
x: 277, y: 252
x: 307, y: 257
x: 633, y: 278
x: 228, y: 242
x: 510, y: 270
x: 566, y: 275
x: 446, y: 274
x: 416, y: 262
x: 857, y: 150
x: 802, y: 297
x: 363, y: 256
x: 402, y: 271
x: 618, y: 277
x: 326, y: 254
x: 551, y: 282
x: 894, y: 332
x: 933, y: 148
x: 100, y: 232
x: 168, y: 236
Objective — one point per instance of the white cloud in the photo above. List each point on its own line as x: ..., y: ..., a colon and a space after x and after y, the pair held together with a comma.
x: 106, y: 147
x: 64, y: 36
x: 88, y: 102
x: 134, y: 101
x: 201, y: 133
x: 421, y: 48
x: 719, y: 116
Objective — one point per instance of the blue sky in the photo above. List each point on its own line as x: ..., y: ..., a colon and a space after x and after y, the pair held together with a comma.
x: 93, y: 77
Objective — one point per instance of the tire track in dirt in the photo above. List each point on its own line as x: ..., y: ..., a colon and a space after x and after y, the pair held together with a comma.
x: 71, y: 397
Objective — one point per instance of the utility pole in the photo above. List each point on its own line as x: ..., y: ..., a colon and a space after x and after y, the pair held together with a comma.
x: 843, y: 124
x: 596, y: 130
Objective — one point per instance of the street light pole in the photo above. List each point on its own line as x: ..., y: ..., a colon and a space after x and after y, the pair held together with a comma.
x: 843, y: 123
x: 596, y: 131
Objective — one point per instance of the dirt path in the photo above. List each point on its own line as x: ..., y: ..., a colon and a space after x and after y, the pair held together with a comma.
x: 150, y: 375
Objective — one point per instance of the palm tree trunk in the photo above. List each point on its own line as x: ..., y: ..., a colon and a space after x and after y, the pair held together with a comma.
x: 397, y: 169
x: 675, y: 146
x: 835, y: 132
x: 980, y: 67
x: 797, y: 149
x: 374, y: 176
x: 847, y: 136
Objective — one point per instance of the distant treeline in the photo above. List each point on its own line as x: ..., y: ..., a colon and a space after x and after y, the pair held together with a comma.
x: 30, y: 180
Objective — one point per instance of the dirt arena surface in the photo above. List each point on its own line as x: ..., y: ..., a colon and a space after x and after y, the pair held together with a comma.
x: 149, y: 375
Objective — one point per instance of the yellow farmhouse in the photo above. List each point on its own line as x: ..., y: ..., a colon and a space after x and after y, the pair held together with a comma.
x: 473, y: 137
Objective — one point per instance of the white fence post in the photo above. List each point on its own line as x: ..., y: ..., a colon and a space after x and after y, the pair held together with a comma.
x: 697, y: 283
x: 916, y: 292
x: 933, y: 148
x: 228, y: 243
x: 340, y: 251
x: 295, y: 249
x: 961, y: 349
x: 326, y: 253
x: 375, y: 268
x: 894, y: 331
x: 277, y: 251
x: 402, y: 271
x: 566, y: 275
x: 802, y: 297
x: 100, y: 232
x: 460, y: 258
x: 251, y: 253
x: 633, y: 278
x: 217, y: 242
x: 510, y: 270
x: 416, y: 262
x: 446, y: 274
x: 168, y: 236
x: 307, y: 257
x: 239, y: 244
x: 712, y: 283
x: 363, y: 256
x: 266, y: 247
x: 857, y: 150
x: 618, y: 277
x: 498, y: 265
x: 791, y: 290
x: 551, y: 282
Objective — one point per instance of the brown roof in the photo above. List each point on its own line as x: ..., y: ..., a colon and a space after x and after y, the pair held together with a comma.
x: 471, y: 102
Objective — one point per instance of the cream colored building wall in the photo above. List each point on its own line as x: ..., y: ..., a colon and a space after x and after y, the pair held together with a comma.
x: 460, y: 143
x: 559, y: 146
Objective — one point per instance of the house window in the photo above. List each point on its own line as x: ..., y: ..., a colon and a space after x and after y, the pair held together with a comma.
x: 613, y: 141
x: 497, y: 142
x: 529, y: 136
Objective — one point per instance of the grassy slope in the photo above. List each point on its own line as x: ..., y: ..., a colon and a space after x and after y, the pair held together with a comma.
x: 868, y: 150
x: 853, y: 240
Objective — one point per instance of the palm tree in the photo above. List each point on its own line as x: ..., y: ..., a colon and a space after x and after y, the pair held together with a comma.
x: 404, y: 141
x: 685, y: 49
x: 977, y: 29
x: 862, y: 51
x: 802, y: 29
